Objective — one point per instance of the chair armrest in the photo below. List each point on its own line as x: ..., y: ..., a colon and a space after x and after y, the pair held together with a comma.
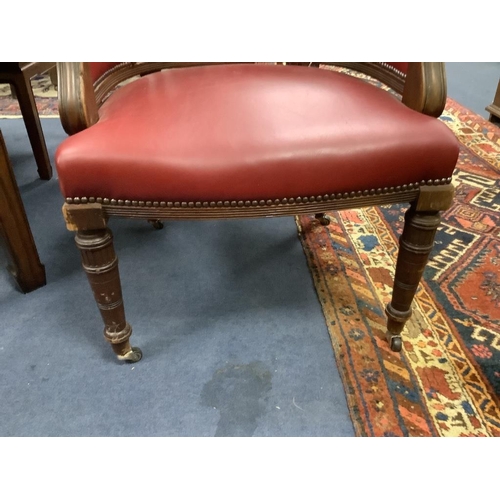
x: 77, y: 103
x: 425, y: 87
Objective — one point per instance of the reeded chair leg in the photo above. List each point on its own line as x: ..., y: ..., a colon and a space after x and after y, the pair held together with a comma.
x: 95, y: 242
x: 415, y: 246
x: 101, y: 265
x: 421, y: 222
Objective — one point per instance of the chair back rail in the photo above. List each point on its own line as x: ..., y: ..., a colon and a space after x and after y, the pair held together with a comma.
x: 84, y: 87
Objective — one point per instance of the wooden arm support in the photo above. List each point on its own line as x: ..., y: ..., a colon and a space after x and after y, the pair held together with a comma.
x: 425, y: 88
x: 77, y: 103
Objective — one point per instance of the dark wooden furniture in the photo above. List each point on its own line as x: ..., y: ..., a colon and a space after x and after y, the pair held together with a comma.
x: 494, y: 107
x: 19, y: 75
x: 25, y: 265
x: 199, y: 141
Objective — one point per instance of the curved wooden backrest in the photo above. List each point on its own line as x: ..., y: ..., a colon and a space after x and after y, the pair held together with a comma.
x: 83, y: 87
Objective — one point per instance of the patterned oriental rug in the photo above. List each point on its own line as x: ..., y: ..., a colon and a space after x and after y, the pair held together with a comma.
x: 446, y: 381
x: 45, y: 97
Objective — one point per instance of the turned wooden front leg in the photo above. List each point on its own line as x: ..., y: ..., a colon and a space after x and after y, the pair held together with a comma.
x: 415, y: 245
x: 421, y: 222
x: 95, y: 242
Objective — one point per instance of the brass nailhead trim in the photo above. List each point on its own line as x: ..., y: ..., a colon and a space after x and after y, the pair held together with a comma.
x: 393, y: 69
x: 253, y: 203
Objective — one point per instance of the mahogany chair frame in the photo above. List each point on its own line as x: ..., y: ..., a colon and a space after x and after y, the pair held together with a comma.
x: 423, y: 88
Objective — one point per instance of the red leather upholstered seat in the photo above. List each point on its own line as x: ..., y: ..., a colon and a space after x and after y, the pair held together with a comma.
x: 251, y: 132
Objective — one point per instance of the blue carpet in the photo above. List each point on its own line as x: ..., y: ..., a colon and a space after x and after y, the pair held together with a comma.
x: 234, y: 340
x: 473, y: 84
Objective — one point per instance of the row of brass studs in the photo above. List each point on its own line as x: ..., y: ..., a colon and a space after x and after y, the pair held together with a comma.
x: 255, y: 203
x: 393, y: 69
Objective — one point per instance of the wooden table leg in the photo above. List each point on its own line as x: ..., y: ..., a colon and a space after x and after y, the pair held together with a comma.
x: 25, y: 264
x: 24, y: 94
x: 494, y: 107
x: 18, y: 76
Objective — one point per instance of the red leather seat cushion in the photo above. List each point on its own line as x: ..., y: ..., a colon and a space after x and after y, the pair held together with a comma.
x: 251, y: 132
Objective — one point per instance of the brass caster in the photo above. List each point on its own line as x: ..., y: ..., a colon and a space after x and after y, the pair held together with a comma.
x: 157, y: 224
x: 134, y: 355
x: 323, y: 219
x: 395, y: 342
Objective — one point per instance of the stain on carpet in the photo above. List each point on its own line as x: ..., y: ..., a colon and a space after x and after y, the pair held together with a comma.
x: 239, y: 393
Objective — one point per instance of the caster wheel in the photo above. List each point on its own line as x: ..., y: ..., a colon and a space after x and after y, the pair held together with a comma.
x: 395, y: 343
x: 323, y: 219
x: 157, y: 224
x: 134, y: 355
